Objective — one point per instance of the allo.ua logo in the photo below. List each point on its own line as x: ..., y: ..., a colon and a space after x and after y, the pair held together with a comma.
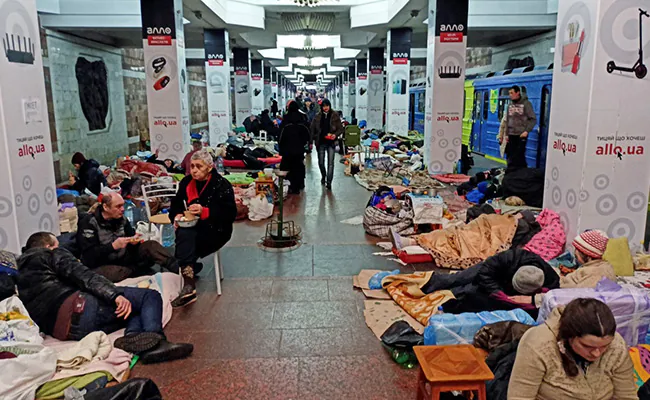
x: 159, y: 36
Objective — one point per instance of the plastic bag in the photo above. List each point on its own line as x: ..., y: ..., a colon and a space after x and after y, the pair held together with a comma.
x: 375, y: 281
x: 133, y: 389
x: 401, y: 334
x: 259, y: 208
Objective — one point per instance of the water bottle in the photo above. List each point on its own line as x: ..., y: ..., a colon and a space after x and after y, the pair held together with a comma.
x: 143, y: 212
x: 220, y: 168
x: 167, y: 232
x: 129, y: 212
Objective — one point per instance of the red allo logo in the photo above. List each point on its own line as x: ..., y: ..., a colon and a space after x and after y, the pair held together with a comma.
x: 165, y: 123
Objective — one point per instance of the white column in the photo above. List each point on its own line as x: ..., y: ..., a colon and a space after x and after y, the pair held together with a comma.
x: 274, y: 87
x: 446, y: 73
x: 166, y: 76
x: 398, y: 76
x: 27, y: 190
x: 345, y: 92
x: 241, y: 61
x: 597, y: 165
x: 375, y: 87
x: 217, y: 78
x: 257, y: 87
x: 352, y: 93
x: 268, y: 92
x: 362, y: 90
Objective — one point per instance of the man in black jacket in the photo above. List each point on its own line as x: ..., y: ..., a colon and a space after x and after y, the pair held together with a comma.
x: 69, y: 301
x: 109, y: 243
x: 507, y: 280
x: 88, y: 175
x: 294, y: 136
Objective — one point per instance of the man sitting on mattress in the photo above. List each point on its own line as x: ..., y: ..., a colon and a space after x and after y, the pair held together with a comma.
x: 68, y: 301
x: 508, y: 280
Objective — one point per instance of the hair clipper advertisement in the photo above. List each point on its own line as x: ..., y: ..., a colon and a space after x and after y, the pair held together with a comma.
x: 161, y: 83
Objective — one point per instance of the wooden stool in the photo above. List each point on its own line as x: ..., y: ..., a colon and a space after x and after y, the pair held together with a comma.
x: 451, y: 368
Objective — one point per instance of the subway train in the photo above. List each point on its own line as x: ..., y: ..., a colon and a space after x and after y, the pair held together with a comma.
x: 486, y: 99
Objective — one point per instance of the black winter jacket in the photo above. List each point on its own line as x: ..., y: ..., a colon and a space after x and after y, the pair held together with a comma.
x: 294, y: 134
x: 497, y: 271
x: 90, y: 177
x: 336, y: 127
x: 48, y: 277
x: 95, y: 237
x: 219, y: 198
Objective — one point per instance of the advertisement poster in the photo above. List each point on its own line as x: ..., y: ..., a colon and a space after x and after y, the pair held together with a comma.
x: 166, y: 77
x: 352, y: 92
x: 268, y: 92
x: 28, y: 201
x: 597, y: 167
x: 274, y: 86
x: 241, y: 61
x: 362, y: 90
x: 446, y: 74
x: 257, y: 87
x: 217, y: 77
x: 397, y: 74
x: 345, y: 93
x: 375, y: 87
x: 282, y: 102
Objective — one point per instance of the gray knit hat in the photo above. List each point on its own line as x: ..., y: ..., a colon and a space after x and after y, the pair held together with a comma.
x: 528, y: 279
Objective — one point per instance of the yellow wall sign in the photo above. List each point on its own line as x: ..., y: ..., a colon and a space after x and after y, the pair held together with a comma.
x: 494, y: 100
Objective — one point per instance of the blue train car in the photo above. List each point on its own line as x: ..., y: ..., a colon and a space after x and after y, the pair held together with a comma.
x: 491, y: 102
x: 417, y: 103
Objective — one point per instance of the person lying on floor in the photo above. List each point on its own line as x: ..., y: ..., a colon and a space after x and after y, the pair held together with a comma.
x: 68, y: 301
x: 507, y: 280
x: 109, y: 244
x: 575, y: 354
x: 589, y: 248
x: 209, y: 197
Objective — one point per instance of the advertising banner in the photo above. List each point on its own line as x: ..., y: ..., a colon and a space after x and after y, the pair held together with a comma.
x: 375, y: 88
x: 397, y: 78
x: 166, y: 77
x: 345, y: 92
x: 257, y: 87
x: 268, y: 92
x: 352, y: 92
x: 28, y: 202
x: 243, y: 99
x: 597, y: 166
x: 362, y: 90
x: 274, y: 86
x: 217, y: 77
x: 446, y: 74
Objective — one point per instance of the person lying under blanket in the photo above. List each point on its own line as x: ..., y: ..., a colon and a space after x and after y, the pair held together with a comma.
x: 505, y: 281
x: 68, y: 301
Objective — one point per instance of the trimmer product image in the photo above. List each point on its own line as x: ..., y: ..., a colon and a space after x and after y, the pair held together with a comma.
x: 158, y: 65
x: 639, y: 68
x: 256, y: 92
x: 243, y: 89
x: 161, y: 83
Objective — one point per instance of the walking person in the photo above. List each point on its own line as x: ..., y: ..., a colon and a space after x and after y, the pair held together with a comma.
x: 520, y: 121
x: 326, y: 128
x: 294, y: 137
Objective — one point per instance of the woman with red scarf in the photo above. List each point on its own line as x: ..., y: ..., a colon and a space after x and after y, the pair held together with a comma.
x: 211, y: 198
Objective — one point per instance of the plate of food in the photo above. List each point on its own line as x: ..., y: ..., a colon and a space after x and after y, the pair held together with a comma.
x: 188, y: 220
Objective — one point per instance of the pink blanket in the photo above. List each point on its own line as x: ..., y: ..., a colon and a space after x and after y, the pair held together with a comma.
x: 549, y: 243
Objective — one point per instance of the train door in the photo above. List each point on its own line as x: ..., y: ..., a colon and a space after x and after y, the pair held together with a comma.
x: 481, y: 107
x: 411, y: 111
x: 544, y: 120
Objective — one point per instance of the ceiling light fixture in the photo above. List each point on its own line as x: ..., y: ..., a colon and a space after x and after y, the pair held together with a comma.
x: 311, y: 3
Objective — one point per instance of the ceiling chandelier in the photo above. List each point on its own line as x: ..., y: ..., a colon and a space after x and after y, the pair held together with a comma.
x: 310, y: 3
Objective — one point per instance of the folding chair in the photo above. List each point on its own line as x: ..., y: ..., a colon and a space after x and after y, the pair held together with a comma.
x: 162, y: 191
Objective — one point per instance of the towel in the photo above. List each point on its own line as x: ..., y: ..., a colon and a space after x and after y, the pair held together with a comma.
x: 95, y: 346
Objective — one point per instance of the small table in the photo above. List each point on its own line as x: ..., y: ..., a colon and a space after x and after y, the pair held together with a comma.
x: 451, y: 368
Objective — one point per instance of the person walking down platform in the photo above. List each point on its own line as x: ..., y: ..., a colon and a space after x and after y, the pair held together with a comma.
x: 294, y: 137
x: 210, y: 198
x: 326, y: 128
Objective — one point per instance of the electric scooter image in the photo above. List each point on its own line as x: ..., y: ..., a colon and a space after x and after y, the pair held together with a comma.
x: 640, y: 70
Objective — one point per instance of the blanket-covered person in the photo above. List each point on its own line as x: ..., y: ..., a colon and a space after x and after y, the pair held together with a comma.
x: 511, y: 279
x: 575, y: 354
x: 210, y: 198
x: 68, y: 301
x: 589, y: 249
x: 88, y: 175
x: 109, y: 244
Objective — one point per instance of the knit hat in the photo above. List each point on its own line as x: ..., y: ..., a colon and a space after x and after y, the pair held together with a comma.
x: 592, y: 243
x: 528, y: 279
x: 78, y: 158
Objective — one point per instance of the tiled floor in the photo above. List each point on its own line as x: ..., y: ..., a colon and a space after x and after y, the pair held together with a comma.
x: 288, y: 325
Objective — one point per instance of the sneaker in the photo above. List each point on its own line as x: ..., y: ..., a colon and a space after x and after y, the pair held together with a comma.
x: 186, y: 297
x: 395, y: 239
x: 138, y: 342
x: 166, y: 351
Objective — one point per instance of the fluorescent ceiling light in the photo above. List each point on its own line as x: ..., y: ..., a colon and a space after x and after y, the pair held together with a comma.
x: 333, y: 68
x: 342, y: 53
x: 308, y: 41
x: 277, y: 54
x: 287, y: 68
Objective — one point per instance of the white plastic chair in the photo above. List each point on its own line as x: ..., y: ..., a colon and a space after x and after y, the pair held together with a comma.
x: 159, y: 190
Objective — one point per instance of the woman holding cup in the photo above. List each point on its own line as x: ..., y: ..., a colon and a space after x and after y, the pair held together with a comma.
x: 203, y: 212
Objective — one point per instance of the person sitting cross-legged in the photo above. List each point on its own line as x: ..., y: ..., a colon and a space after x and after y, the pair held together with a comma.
x: 68, y: 301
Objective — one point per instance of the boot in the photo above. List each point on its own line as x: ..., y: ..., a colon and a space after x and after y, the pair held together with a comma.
x: 166, y: 351
x: 138, y: 342
x: 188, y: 292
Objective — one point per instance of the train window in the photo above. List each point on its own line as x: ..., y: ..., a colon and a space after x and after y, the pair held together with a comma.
x: 421, y: 101
x: 476, y: 112
x: 546, y: 106
x: 486, y: 105
x: 504, y: 97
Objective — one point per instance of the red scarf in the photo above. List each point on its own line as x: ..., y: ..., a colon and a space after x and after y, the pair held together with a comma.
x: 192, y: 191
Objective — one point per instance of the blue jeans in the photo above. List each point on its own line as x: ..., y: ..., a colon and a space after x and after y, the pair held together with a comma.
x: 453, y: 282
x: 98, y: 315
x: 329, y: 174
